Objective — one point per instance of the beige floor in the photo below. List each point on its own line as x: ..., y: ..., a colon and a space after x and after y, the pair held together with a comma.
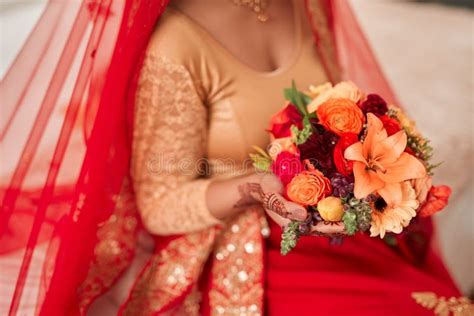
x: 428, y: 54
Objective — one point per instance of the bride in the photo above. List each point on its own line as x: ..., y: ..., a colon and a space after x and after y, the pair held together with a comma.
x: 164, y: 215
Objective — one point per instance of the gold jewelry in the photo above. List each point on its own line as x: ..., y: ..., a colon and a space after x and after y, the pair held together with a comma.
x: 259, y: 7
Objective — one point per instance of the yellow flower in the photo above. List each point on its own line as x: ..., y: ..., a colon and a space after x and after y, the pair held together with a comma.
x: 404, y: 120
x: 331, y: 209
x: 395, y: 216
x: 315, y: 91
x: 343, y: 90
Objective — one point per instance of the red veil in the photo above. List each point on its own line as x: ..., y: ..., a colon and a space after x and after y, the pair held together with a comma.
x: 67, y: 101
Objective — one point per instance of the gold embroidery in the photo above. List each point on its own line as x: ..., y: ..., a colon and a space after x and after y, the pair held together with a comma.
x: 442, y: 306
x: 191, y: 304
x: 169, y: 275
x: 114, y: 249
x: 237, y: 272
x: 169, y: 142
x: 318, y: 17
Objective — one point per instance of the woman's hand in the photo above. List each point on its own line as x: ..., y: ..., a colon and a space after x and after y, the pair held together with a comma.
x: 283, y: 211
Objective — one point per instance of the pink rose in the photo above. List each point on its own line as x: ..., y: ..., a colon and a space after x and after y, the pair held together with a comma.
x: 286, y: 166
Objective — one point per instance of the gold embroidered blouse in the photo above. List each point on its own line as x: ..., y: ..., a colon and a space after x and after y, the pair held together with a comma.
x: 196, y: 101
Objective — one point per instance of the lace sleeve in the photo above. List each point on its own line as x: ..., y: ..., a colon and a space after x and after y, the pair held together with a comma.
x: 169, y: 142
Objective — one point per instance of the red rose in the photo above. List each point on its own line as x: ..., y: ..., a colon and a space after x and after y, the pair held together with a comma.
x: 344, y: 166
x: 391, y: 125
x: 286, y: 166
x: 281, y: 122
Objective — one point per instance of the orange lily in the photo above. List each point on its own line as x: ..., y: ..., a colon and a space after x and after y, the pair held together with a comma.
x: 380, y: 163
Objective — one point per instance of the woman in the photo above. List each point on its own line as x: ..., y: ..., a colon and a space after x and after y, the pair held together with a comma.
x: 206, y: 91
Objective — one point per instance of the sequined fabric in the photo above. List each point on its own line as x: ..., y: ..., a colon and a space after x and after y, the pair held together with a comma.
x: 237, y: 273
x: 114, y: 249
x: 168, y: 282
x: 169, y: 140
x: 442, y: 306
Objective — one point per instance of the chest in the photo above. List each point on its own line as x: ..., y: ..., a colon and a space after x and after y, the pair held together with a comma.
x: 241, y: 109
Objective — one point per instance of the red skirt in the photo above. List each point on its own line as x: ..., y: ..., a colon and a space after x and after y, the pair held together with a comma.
x: 363, y: 276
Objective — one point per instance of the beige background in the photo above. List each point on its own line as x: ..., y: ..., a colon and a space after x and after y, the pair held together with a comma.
x: 427, y: 52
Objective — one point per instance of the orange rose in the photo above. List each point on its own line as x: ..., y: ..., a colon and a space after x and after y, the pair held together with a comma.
x: 343, y: 90
x: 341, y: 116
x: 308, y: 187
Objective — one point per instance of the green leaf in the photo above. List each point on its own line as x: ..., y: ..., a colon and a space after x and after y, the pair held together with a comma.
x: 261, y: 152
x: 390, y: 240
x: 307, y: 123
x: 350, y: 222
x: 260, y: 162
x: 306, y: 99
x: 289, y: 237
x: 289, y: 95
x: 301, y: 136
x: 297, y: 98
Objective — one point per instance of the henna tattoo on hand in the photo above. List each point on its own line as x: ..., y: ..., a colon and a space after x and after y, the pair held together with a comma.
x: 250, y: 194
x: 319, y: 233
x: 273, y: 203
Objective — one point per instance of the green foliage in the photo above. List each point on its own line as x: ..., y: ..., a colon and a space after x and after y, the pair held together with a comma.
x: 289, y: 237
x: 301, y: 136
x: 422, y: 149
x: 357, y: 216
x: 390, y: 240
x: 350, y: 222
x: 299, y: 99
x: 417, y: 143
x: 261, y: 160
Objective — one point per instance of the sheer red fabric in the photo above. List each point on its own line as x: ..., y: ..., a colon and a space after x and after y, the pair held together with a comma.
x: 355, y: 55
x: 66, y: 119
x: 66, y: 139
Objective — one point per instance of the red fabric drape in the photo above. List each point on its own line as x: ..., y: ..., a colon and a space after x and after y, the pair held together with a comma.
x: 80, y: 59
x: 65, y: 131
x: 355, y: 54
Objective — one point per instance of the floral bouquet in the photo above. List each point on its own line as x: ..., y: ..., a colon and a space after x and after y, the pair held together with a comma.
x: 350, y: 158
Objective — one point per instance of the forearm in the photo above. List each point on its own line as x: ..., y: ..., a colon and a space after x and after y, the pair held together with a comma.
x: 228, y: 197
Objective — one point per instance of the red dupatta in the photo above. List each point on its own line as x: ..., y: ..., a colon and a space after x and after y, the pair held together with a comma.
x: 66, y: 119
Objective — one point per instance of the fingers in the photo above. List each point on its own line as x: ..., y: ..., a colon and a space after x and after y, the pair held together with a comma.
x: 328, y: 229
x: 296, y: 211
x: 276, y: 203
x: 281, y: 221
x: 270, y: 183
